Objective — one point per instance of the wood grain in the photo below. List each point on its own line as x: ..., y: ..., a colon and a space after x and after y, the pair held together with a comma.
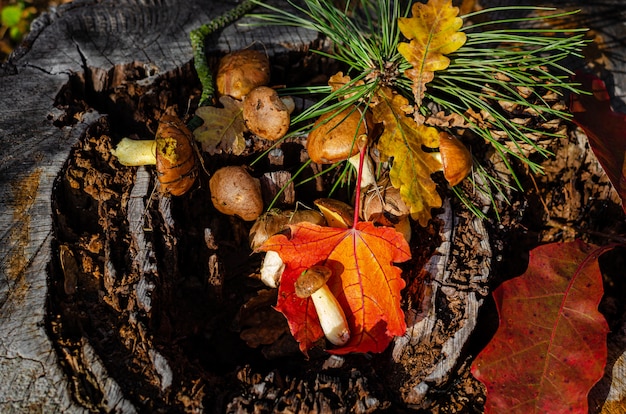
x: 90, y: 40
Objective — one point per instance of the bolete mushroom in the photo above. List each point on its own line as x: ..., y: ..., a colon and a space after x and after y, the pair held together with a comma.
x: 312, y: 283
x: 236, y: 193
x: 338, y: 136
x: 265, y: 114
x: 269, y: 224
x: 275, y: 220
x: 455, y: 158
x: 241, y: 71
x: 171, y: 151
x: 337, y: 213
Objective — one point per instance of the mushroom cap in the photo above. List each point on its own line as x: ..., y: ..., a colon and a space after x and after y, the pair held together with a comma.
x: 265, y: 114
x: 336, y: 135
x: 275, y: 220
x: 236, y: 193
x: 241, y: 71
x: 311, y: 280
x: 175, y: 157
x: 337, y: 213
x: 455, y: 158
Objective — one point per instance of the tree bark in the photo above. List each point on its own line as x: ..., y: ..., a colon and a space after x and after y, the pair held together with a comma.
x: 129, y: 61
x: 96, y: 44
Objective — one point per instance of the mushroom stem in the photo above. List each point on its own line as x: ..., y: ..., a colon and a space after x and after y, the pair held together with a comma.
x: 368, y: 178
x: 272, y: 269
x: 133, y: 152
x: 331, y: 316
x: 312, y: 283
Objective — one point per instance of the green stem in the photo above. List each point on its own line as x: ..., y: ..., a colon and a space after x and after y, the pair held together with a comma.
x: 197, y: 38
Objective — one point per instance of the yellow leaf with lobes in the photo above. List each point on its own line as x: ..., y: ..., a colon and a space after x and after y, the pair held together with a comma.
x: 434, y: 33
x: 223, y: 128
x: 402, y: 140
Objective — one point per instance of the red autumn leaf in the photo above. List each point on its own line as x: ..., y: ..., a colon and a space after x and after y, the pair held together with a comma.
x: 550, y: 348
x: 364, y: 280
x: 605, y: 129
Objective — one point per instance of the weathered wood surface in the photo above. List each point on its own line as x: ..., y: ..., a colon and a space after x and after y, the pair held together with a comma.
x: 89, y: 38
x: 97, y: 41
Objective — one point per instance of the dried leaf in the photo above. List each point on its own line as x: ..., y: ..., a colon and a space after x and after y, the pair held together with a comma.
x: 364, y: 281
x: 550, y: 348
x: 443, y: 120
x: 434, y: 33
x: 223, y: 127
x: 402, y: 140
x: 338, y: 81
x: 605, y: 129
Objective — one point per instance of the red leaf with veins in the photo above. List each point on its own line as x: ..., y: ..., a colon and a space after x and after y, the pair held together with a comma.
x: 605, y: 129
x: 550, y: 348
x: 364, y: 281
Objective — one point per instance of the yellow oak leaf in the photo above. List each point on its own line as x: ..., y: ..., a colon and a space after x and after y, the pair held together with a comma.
x: 223, y: 128
x: 339, y: 81
x: 402, y: 140
x: 434, y: 32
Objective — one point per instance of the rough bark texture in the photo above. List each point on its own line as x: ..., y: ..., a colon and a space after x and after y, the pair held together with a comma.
x: 95, y: 46
x: 91, y: 262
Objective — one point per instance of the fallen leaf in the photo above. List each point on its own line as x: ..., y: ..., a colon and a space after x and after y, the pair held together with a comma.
x: 365, y: 281
x: 434, y: 32
x: 550, y: 348
x: 338, y: 81
x: 402, y: 140
x: 223, y: 128
x: 605, y: 129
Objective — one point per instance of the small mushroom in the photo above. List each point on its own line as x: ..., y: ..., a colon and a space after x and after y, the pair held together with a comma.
x: 265, y: 114
x: 338, y: 136
x: 171, y: 151
x: 455, y: 158
x: 275, y: 220
x: 241, y: 71
x: 269, y: 224
x: 312, y: 283
x: 337, y: 213
x: 236, y: 193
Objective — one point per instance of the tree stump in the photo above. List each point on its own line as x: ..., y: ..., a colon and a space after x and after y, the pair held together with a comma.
x: 115, y: 298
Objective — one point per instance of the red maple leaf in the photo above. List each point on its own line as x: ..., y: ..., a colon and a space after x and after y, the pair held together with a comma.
x: 364, y: 280
x: 605, y: 129
x: 550, y: 348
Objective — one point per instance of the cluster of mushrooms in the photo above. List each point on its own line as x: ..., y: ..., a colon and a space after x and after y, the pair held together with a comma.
x: 335, y: 137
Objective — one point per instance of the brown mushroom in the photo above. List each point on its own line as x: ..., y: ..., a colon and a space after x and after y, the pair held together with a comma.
x: 455, y: 158
x: 337, y: 213
x: 269, y: 224
x: 241, y: 71
x: 235, y: 192
x: 275, y: 220
x: 171, y: 151
x: 338, y: 136
x: 265, y: 114
x: 312, y: 283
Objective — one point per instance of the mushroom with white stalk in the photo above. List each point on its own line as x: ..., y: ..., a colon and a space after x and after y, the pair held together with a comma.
x: 338, y: 136
x: 269, y: 224
x: 312, y: 283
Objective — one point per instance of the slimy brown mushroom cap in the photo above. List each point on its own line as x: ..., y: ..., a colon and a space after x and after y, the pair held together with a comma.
x: 337, y: 136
